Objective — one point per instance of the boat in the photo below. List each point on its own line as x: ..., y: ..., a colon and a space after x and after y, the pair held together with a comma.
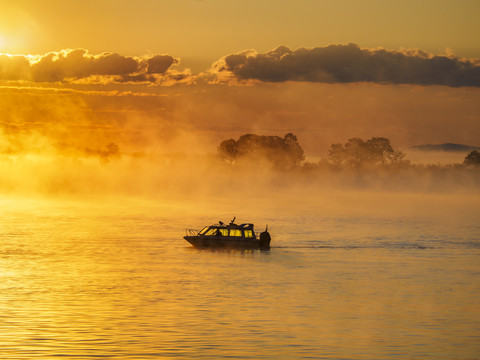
x: 241, y: 236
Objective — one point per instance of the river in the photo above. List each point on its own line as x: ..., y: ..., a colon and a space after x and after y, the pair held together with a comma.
x: 357, y: 275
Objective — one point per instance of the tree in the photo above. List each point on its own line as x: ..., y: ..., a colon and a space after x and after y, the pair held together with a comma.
x: 357, y: 152
x: 337, y: 154
x: 228, y: 150
x: 282, y: 153
x: 473, y: 158
x: 380, y: 149
x: 294, y: 149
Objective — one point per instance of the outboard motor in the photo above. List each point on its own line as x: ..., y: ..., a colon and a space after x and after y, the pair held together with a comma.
x: 265, y: 239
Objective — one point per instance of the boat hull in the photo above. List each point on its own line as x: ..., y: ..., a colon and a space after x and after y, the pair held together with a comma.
x: 226, y: 242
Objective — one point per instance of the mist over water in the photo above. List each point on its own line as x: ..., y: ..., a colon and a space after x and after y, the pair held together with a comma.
x: 89, y: 142
x: 366, y: 263
x: 351, y: 274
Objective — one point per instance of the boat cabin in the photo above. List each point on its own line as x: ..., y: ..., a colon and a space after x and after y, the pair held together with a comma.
x: 232, y: 230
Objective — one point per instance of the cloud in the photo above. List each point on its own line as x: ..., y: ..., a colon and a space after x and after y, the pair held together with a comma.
x: 79, y: 66
x: 158, y: 64
x: 346, y: 64
x: 14, y: 67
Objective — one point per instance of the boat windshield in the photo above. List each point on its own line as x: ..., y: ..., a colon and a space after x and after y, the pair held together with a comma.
x: 214, y: 231
x: 211, y: 232
x: 201, y: 232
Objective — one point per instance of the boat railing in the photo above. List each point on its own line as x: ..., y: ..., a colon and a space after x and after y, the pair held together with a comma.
x: 257, y: 234
x: 191, y: 232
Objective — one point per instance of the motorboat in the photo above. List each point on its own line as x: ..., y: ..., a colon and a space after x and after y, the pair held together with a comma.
x: 230, y: 235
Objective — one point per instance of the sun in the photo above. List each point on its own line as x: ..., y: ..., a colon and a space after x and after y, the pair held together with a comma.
x: 4, y: 43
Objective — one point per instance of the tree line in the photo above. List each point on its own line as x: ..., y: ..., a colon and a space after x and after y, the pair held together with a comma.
x: 357, y: 152
x: 287, y: 153
x: 283, y: 153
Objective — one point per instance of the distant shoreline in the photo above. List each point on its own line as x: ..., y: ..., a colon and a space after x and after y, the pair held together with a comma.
x: 446, y: 147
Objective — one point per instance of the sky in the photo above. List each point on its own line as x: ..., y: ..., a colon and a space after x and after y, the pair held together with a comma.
x: 201, y: 31
x: 158, y: 75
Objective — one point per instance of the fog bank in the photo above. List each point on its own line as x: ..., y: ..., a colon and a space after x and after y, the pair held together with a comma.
x: 150, y: 141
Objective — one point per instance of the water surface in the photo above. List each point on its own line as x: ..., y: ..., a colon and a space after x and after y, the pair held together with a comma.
x: 348, y: 277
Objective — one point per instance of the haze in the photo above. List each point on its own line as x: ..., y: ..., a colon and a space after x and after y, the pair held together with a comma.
x: 124, y: 122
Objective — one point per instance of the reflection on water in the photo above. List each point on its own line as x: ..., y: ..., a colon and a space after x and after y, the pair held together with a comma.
x: 83, y: 280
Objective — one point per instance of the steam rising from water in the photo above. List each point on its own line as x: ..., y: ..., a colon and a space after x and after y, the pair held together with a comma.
x: 97, y: 189
x: 164, y: 143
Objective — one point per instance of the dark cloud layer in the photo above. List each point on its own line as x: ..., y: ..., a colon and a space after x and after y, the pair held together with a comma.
x: 331, y: 64
x: 78, y: 64
x: 349, y: 63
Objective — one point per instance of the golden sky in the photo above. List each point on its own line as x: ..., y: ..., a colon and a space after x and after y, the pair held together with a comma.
x: 155, y: 73
x: 201, y: 31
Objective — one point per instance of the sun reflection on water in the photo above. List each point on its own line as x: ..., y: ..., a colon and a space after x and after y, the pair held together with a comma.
x: 84, y: 279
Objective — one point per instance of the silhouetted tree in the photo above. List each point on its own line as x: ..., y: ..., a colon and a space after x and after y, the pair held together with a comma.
x: 337, y: 154
x: 228, y: 150
x: 473, y: 158
x: 283, y: 152
x: 356, y: 152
